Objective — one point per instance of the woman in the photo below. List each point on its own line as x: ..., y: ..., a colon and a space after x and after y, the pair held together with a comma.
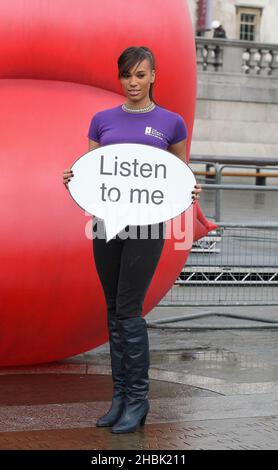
x: 126, y: 265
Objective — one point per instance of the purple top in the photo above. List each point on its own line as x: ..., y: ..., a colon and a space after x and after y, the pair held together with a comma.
x: 159, y: 127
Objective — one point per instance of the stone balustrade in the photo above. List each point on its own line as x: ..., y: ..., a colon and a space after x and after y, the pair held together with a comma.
x: 237, y: 57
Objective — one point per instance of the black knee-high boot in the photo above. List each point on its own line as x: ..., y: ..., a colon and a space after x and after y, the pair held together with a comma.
x: 136, y: 346
x: 118, y: 375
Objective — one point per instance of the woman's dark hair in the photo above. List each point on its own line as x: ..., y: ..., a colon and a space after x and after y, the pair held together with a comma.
x: 131, y: 56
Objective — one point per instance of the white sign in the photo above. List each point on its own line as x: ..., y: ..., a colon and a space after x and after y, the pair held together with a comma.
x: 131, y: 184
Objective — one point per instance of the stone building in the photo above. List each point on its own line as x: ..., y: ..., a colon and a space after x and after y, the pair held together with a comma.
x: 237, y: 97
x: 242, y: 19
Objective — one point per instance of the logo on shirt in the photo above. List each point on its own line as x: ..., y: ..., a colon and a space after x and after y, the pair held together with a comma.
x: 154, y: 133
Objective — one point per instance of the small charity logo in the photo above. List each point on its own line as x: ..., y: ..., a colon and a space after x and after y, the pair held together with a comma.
x: 154, y: 133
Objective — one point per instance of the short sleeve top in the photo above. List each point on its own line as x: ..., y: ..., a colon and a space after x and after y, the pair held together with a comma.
x: 159, y: 127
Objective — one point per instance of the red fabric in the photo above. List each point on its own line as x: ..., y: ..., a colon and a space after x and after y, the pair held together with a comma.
x: 202, y: 226
x: 57, y: 68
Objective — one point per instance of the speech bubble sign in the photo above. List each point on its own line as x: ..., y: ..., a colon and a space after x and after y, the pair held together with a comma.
x: 131, y: 184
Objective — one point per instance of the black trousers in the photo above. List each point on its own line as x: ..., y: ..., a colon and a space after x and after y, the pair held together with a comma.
x: 126, y: 265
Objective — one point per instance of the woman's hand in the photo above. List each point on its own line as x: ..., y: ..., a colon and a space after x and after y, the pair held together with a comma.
x: 196, y: 192
x: 68, y: 174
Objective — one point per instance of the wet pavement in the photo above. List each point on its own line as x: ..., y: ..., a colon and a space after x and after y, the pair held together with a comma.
x: 209, y: 389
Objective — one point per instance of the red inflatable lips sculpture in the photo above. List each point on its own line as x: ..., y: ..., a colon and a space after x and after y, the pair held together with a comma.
x: 58, y: 66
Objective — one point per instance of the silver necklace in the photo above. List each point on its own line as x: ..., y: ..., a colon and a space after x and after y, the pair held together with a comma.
x: 146, y: 109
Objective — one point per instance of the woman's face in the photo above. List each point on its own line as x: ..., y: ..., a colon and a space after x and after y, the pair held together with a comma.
x: 137, y: 81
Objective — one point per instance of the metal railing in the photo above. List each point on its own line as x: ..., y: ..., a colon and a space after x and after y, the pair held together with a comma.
x: 236, y: 264
x: 219, y: 163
